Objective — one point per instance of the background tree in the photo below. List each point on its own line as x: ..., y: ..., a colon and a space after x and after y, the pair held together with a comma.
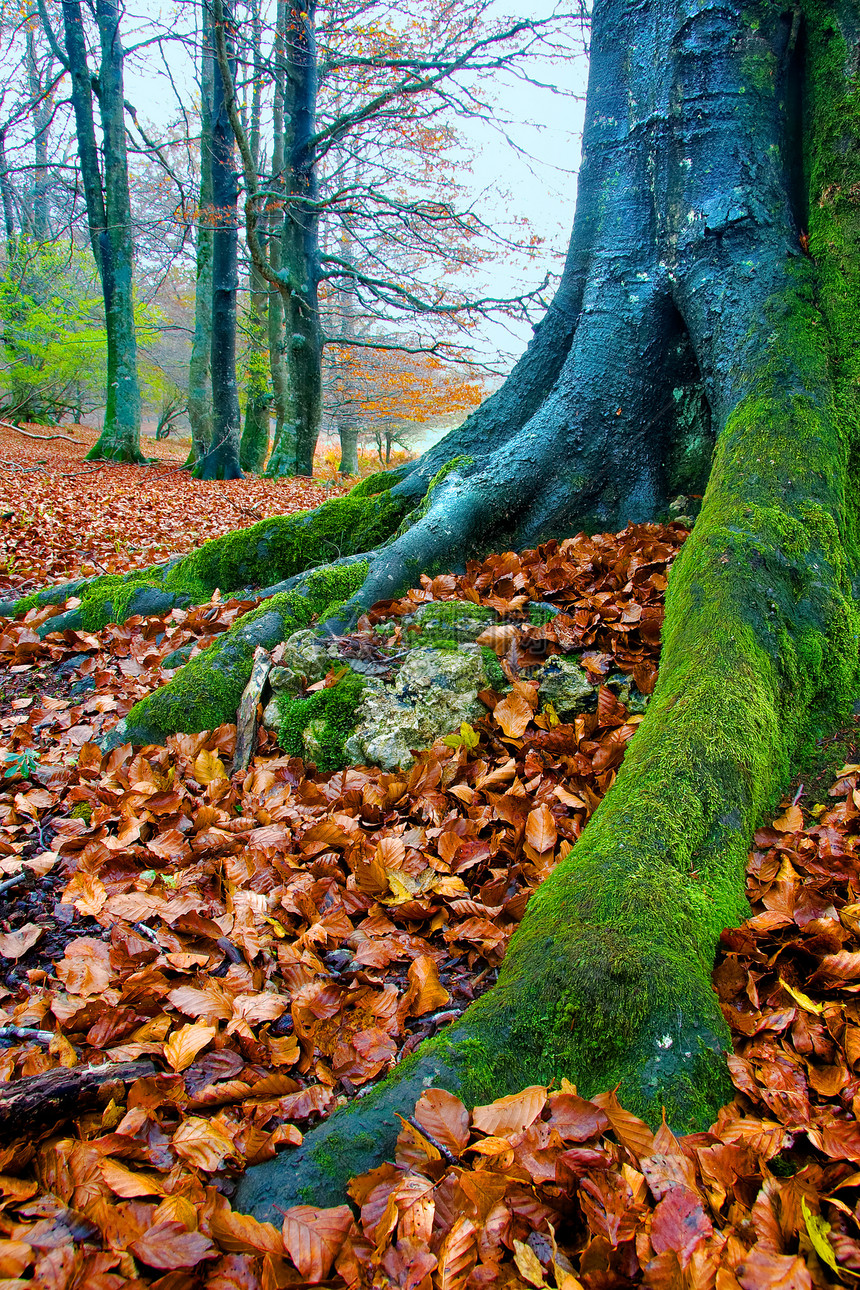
x: 222, y: 455
x: 108, y: 211
x: 365, y: 90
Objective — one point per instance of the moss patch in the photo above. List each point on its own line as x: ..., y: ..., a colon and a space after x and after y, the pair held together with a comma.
x: 330, y: 714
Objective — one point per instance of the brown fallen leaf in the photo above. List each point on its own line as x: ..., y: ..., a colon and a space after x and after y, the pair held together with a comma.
x: 15, y: 944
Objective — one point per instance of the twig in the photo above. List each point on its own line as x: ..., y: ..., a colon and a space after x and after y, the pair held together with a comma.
x: 434, y: 1142
x: 15, y: 881
x: 7, y: 425
x: 8, y: 1035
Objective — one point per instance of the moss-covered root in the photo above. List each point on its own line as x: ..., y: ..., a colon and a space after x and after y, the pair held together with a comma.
x: 207, y: 691
x: 262, y: 556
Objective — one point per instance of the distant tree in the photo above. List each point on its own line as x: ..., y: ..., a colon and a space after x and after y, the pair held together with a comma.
x: 222, y: 456
x: 54, y: 339
x: 104, y: 173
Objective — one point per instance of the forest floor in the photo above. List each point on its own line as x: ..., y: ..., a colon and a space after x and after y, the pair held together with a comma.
x: 267, y: 943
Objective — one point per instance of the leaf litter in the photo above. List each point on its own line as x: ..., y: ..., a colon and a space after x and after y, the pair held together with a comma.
x: 273, y: 941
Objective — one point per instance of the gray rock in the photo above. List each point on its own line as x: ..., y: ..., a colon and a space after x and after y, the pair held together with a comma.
x: 307, y: 654
x: 178, y: 657
x: 565, y: 685
x: 456, y: 620
x: 435, y: 692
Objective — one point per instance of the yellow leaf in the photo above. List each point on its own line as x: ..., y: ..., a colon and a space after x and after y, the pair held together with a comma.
x: 552, y: 716
x: 208, y: 766
x: 808, y: 1005
x: 185, y: 1043
x: 818, y: 1229
x: 202, y: 1143
x: 467, y: 738
x: 528, y: 1264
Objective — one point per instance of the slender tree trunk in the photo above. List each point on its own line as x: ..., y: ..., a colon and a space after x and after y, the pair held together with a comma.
x: 6, y: 196
x: 109, y: 219
x: 255, y: 435
x: 346, y: 418
x: 284, y: 442
x: 222, y: 458
x: 199, y: 383
x: 299, y: 253
x: 42, y: 114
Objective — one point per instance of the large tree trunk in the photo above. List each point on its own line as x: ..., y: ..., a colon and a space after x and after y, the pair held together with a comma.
x: 688, y: 313
x: 222, y: 457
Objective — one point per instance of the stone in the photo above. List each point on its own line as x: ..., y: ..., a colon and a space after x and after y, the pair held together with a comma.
x: 307, y: 657
x: 565, y: 685
x: 450, y: 620
x: 434, y: 693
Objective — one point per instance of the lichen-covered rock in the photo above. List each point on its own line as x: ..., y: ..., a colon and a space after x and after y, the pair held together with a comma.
x: 448, y: 620
x: 434, y: 693
x: 565, y: 685
x: 307, y: 657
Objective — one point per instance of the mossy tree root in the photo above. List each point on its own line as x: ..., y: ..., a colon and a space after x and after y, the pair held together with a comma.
x: 207, y: 690
x: 607, y: 981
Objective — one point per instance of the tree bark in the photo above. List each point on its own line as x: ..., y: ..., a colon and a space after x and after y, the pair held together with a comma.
x: 254, y: 448
x: 222, y: 457
x: 689, y: 321
x: 42, y: 115
x: 299, y: 253
x: 199, y: 382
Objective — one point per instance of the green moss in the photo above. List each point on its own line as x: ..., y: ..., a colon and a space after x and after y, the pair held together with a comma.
x: 82, y: 811
x: 276, y: 549
x: 493, y: 668
x: 330, y: 713
x: 206, y: 693
x: 381, y: 482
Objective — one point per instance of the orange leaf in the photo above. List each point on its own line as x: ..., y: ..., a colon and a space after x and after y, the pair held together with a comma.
x: 541, y: 832
x: 508, y: 1116
x: 14, y: 944
x: 242, y: 1234
x: 445, y: 1118
x: 631, y: 1132
x: 202, y: 1143
x: 426, y: 992
x: 170, y: 1246
x: 313, y: 1237
x: 457, y: 1256
x: 513, y: 714
x: 790, y: 822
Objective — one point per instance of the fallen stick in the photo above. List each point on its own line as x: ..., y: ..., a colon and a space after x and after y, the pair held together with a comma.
x: 246, y: 717
x: 7, y: 425
x: 61, y: 1093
